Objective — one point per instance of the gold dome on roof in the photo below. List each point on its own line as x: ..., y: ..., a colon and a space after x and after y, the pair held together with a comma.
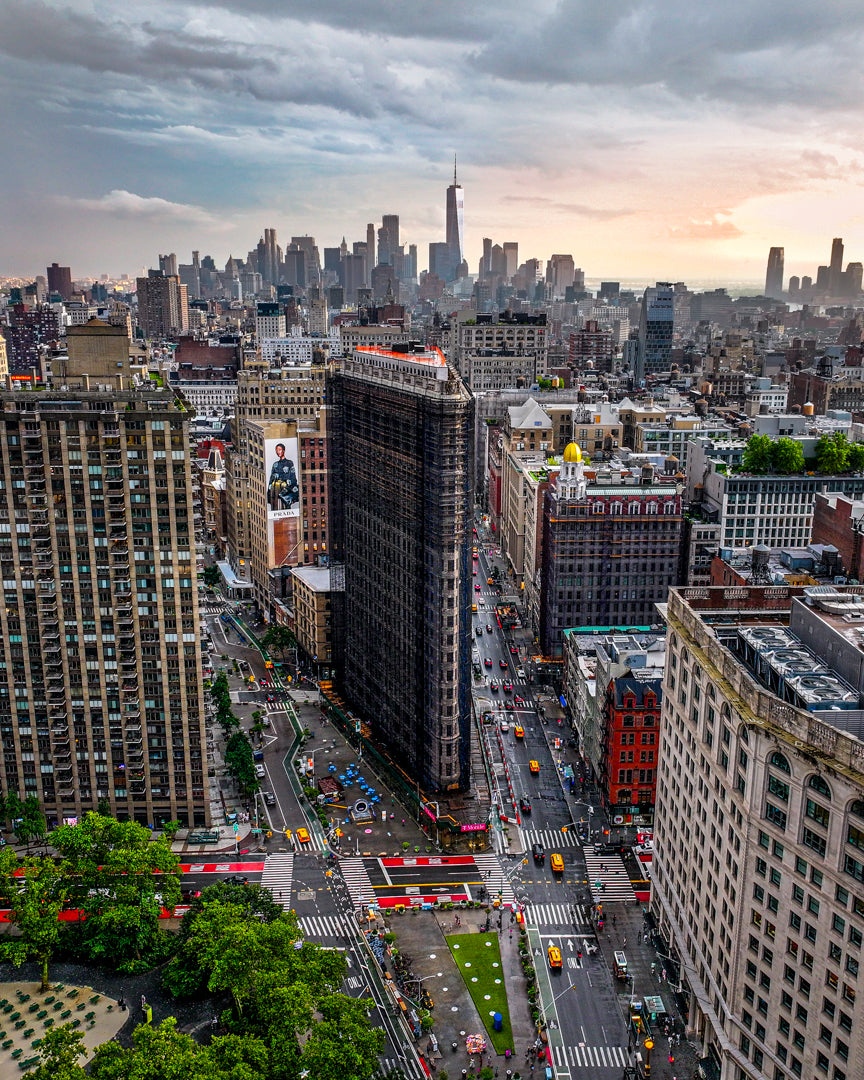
x: 572, y: 452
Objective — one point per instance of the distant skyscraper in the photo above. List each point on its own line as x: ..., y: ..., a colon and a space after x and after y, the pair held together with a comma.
x: 370, y: 252
x: 60, y: 281
x: 656, y: 324
x: 162, y: 305
x: 401, y: 482
x: 388, y: 239
x: 836, y: 267
x: 560, y: 274
x: 455, y: 223
x: 168, y: 265
x: 511, y: 253
x: 774, y: 274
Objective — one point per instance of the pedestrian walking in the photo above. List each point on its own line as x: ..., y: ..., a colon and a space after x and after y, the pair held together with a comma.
x: 625, y: 942
x: 143, y: 1003
x: 663, y: 976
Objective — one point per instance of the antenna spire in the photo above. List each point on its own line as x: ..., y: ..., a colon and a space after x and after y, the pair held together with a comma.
x: 454, y: 170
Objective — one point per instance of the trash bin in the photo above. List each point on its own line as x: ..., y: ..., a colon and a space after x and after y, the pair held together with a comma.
x: 497, y: 1022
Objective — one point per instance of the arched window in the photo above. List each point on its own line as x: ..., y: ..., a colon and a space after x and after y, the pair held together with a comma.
x: 669, y: 508
x: 651, y: 508
x: 743, y: 736
x: 857, y: 808
x: 818, y: 784
x: 633, y: 508
x: 779, y: 762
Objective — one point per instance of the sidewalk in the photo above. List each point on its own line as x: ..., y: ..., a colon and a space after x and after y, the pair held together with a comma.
x: 626, y: 930
x: 421, y: 935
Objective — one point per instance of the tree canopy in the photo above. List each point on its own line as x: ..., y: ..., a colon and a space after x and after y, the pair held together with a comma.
x: 122, y: 879
x: 762, y: 454
x: 37, y: 891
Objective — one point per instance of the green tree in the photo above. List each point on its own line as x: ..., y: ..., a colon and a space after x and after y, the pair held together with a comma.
x: 856, y: 457
x: 241, y: 764
x: 758, y: 454
x: 59, y: 1050
x: 279, y: 639
x: 343, y: 1045
x: 123, y: 879
x: 787, y: 457
x: 103, y: 807
x: 33, y: 825
x: 157, y: 1053
x: 211, y: 576
x: 37, y: 890
x: 13, y: 808
x: 832, y: 453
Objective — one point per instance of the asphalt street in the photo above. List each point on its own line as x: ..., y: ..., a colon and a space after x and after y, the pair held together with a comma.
x: 586, y: 1025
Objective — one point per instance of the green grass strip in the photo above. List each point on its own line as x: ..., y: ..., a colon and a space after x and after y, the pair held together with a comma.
x: 479, y: 961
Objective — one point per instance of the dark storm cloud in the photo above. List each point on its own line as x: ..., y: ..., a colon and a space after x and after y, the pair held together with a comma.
x: 740, y: 51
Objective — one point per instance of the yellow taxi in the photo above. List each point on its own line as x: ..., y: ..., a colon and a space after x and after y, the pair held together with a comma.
x: 556, y: 862
x: 534, y: 766
x: 302, y: 836
x: 554, y: 954
x: 519, y: 731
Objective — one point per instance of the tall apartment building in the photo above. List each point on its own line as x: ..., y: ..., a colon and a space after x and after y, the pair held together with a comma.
x: 401, y: 501
x: 758, y: 869
x: 30, y: 329
x: 611, y: 550
x: 498, y: 353
x: 60, y: 281
x: 656, y: 326
x: 100, y: 686
x: 163, y: 307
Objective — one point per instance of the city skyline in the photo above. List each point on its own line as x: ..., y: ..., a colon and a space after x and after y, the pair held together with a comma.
x: 637, y: 140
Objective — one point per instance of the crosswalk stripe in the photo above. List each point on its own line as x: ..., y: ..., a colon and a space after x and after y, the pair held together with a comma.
x: 496, y: 882
x: 549, y: 838
x: 355, y: 877
x: 323, y: 926
x: 554, y: 915
x: 277, y: 877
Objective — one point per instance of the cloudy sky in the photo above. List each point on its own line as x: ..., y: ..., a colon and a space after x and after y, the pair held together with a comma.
x: 650, y: 138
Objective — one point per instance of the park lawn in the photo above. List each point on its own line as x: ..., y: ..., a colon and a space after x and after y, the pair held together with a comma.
x: 475, y: 960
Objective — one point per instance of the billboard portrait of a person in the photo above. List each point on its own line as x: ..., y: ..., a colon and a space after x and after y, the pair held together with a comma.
x: 283, y: 491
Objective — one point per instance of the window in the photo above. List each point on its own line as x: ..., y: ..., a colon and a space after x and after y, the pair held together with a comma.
x: 831, y: 979
x: 817, y: 812
x: 776, y: 876
x: 780, y: 762
x: 818, y: 784
x: 854, y: 935
x: 775, y: 815
x: 778, y: 788
x: 764, y: 840
x: 795, y: 920
x: 761, y: 866
x: 822, y: 1062
x: 851, y: 965
x: 813, y: 905
x: 813, y: 840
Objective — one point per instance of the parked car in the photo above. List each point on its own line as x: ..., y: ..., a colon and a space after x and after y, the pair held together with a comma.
x: 260, y: 771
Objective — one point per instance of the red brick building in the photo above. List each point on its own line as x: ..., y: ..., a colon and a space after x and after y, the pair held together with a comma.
x: 629, y: 768
x: 839, y: 520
